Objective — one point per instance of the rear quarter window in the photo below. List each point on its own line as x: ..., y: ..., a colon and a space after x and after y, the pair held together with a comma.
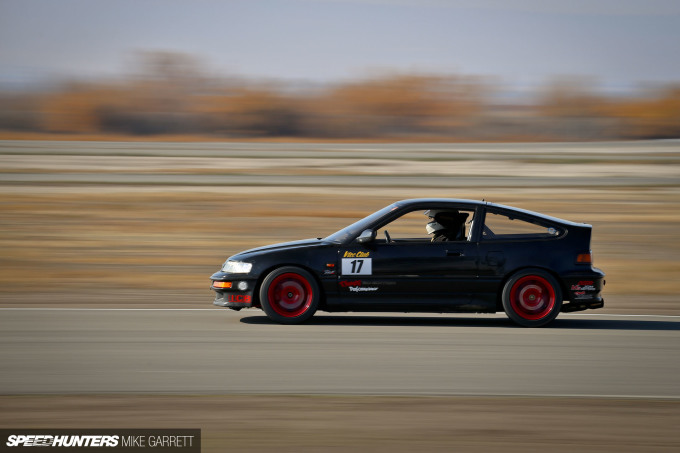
x: 504, y: 227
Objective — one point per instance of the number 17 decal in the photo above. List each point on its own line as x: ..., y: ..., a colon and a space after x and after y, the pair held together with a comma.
x: 357, y: 266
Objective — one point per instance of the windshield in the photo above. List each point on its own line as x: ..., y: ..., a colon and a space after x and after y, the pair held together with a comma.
x: 354, y: 229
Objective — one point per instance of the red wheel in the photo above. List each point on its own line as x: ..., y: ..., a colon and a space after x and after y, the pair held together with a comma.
x: 289, y: 295
x: 532, y: 298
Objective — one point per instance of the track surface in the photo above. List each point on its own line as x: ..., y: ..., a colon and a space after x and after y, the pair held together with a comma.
x: 218, y: 351
x: 441, y: 166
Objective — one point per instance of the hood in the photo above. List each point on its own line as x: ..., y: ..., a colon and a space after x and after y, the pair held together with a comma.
x: 281, y: 246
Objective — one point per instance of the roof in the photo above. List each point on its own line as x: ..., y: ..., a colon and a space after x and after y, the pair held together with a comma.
x: 475, y: 203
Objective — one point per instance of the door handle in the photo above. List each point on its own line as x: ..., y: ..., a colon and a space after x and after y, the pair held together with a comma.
x: 454, y: 253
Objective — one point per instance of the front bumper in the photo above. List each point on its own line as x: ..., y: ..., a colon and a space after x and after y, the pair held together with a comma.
x: 233, y: 300
x: 239, y: 293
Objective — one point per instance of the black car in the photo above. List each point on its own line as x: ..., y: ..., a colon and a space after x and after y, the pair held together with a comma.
x: 423, y: 255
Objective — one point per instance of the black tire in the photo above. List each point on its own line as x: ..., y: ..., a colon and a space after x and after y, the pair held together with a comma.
x: 532, y: 298
x: 289, y: 295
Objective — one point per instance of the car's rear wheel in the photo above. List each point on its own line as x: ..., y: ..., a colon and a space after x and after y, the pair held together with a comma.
x: 532, y: 298
x: 289, y: 295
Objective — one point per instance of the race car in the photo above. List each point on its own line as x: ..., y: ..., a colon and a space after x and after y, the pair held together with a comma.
x: 431, y: 255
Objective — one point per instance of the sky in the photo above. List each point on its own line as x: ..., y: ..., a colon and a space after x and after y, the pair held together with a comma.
x: 614, y: 42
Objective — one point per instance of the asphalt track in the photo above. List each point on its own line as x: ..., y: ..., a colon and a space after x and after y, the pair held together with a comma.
x: 217, y: 351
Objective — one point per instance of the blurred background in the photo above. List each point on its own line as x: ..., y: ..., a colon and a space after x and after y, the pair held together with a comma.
x: 435, y: 70
x: 145, y: 141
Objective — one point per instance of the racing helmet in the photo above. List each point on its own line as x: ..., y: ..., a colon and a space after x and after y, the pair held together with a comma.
x: 433, y: 226
x: 443, y: 220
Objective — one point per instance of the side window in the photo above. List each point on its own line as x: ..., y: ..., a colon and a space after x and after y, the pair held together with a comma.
x: 410, y: 226
x: 502, y: 227
x: 430, y: 226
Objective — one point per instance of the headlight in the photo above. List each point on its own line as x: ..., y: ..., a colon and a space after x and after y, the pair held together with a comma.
x: 237, y: 267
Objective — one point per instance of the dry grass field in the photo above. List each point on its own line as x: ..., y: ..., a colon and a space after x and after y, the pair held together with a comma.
x: 130, y: 243
x: 120, y: 242
x: 171, y: 241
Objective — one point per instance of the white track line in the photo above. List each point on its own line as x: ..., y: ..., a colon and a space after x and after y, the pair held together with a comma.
x: 619, y: 315
x: 105, y: 309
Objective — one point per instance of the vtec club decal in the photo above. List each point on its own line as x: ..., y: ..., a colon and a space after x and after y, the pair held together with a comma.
x: 356, y: 254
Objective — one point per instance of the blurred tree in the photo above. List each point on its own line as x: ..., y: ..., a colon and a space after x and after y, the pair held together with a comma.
x: 158, y: 98
x: 569, y: 108
x: 398, y: 105
x: 570, y: 97
x: 654, y: 115
x: 75, y: 108
x: 20, y: 112
x: 171, y: 93
x: 251, y: 112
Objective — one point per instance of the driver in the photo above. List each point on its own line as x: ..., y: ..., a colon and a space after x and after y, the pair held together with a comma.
x: 446, y: 225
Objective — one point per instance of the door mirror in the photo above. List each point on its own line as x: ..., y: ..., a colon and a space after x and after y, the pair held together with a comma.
x: 366, y: 236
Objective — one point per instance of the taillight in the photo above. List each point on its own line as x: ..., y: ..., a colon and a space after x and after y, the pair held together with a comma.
x: 585, y: 258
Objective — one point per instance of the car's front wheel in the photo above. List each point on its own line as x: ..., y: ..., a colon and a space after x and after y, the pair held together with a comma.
x: 289, y: 295
x: 532, y: 298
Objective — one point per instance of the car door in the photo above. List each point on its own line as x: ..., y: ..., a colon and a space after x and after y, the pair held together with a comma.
x: 408, y: 270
